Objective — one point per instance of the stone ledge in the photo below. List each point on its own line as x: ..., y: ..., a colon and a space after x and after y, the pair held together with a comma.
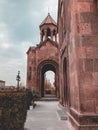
x: 90, y: 119
x: 76, y: 126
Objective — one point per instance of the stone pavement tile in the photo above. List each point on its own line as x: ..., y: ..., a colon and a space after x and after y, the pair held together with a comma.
x: 44, y: 117
x: 62, y: 115
x: 34, y: 128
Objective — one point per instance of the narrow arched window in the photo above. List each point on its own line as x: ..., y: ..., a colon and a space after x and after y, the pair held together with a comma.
x: 29, y: 73
x: 48, y: 32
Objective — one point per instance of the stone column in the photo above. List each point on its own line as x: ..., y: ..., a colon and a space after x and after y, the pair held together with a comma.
x: 45, y: 31
x: 56, y: 36
x: 41, y: 37
x: 52, y: 34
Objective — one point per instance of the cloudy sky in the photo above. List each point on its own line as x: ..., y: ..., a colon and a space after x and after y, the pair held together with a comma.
x: 19, y: 29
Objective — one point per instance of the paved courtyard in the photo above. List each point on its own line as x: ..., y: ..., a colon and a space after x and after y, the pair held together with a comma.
x: 45, y: 117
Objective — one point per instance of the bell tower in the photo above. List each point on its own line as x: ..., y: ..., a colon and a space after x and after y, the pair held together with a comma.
x: 48, y: 29
x: 44, y: 57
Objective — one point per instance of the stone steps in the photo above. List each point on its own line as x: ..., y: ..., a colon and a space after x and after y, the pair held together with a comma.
x: 49, y: 98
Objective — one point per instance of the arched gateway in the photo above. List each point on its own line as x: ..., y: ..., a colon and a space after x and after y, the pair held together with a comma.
x: 43, y: 67
x: 44, y: 57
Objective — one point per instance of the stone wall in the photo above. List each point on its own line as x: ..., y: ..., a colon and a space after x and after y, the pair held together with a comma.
x: 47, y: 51
x: 79, y: 45
x: 87, y: 51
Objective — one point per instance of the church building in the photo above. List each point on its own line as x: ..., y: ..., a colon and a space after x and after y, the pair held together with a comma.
x: 78, y: 40
x: 44, y: 57
x: 69, y: 48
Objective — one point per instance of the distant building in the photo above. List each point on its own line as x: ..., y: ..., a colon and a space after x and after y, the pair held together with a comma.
x: 11, y: 86
x: 2, y: 83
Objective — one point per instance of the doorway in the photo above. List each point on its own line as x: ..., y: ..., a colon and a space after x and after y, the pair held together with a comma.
x: 48, y: 73
x: 49, y: 83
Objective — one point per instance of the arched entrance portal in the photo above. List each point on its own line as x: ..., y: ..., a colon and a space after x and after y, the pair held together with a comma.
x: 45, y: 66
x: 49, y: 84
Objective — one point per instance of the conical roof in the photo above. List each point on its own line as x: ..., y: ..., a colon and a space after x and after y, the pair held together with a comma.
x: 48, y: 20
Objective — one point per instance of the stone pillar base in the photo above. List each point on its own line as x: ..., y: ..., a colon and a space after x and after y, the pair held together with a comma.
x: 83, y: 121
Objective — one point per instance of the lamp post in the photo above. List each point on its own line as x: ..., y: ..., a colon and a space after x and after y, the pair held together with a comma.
x: 18, y: 79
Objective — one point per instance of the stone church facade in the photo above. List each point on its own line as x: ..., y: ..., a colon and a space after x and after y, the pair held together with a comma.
x: 44, y: 57
x: 78, y: 39
x: 73, y: 59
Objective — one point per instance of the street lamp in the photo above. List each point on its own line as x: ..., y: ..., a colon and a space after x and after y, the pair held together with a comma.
x: 18, y: 79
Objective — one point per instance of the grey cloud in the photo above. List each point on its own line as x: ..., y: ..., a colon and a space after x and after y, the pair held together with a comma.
x: 19, y: 29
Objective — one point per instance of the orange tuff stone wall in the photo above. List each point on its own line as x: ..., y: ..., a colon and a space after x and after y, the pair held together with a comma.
x: 31, y: 68
x: 87, y: 51
x: 79, y: 45
x: 36, y: 56
x: 67, y: 34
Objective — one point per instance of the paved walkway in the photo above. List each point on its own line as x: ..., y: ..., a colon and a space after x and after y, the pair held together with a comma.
x: 45, y: 117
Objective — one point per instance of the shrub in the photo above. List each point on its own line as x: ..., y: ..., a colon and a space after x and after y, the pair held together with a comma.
x: 13, y: 108
x: 35, y: 95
